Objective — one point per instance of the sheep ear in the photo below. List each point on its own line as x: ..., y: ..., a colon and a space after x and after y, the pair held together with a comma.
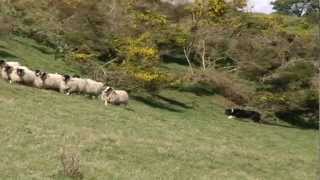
x: 2, y: 62
x: 44, y: 75
x: 66, y: 77
x: 37, y: 72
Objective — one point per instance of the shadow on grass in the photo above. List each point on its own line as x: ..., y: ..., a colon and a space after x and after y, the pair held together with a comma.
x: 5, y: 54
x: 173, y: 102
x: 42, y: 49
x: 3, y: 47
x: 199, y: 90
x: 296, y: 120
x: 161, y: 102
x: 276, y: 124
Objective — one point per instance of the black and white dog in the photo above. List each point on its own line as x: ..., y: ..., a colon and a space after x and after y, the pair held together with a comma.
x: 241, y: 113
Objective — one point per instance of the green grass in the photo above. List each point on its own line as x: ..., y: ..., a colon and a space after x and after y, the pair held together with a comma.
x: 180, y: 136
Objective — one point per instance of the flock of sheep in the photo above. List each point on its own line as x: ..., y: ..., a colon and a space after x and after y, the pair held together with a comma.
x: 14, y: 72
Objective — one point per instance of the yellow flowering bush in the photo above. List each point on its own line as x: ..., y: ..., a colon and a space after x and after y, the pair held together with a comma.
x: 81, y: 57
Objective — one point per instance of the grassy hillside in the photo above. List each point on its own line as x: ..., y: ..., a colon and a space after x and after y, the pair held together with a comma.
x: 176, y: 135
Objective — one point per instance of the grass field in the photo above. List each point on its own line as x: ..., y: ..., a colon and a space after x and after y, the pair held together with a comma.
x: 177, y: 135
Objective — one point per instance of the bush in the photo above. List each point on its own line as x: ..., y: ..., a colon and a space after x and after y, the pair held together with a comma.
x: 220, y: 83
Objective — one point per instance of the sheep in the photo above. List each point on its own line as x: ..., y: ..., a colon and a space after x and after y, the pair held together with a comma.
x: 53, y: 81
x: 14, y: 75
x: 6, y: 68
x: 10, y: 73
x: 29, y: 77
x: 115, y: 97
x: 38, y: 83
x: 93, y: 88
x: 10, y: 63
x: 74, y: 84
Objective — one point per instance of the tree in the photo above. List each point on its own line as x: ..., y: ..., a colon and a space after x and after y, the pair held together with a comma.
x: 296, y: 7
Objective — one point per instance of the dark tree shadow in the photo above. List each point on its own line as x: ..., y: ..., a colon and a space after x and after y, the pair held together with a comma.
x: 166, y: 58
x: 173, y: 102
x: 199, y: 90
x: 272, y: 123
x: 161, y: 102
x: 42, y: 49
x: 294, y: 119
x: 5, y: 54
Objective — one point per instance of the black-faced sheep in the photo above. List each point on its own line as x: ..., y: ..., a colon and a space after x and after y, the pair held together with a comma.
x: 54, y: 82
x: 74, y: 84
x: 7, y: 68
x: 114, y: 97
x: 29, y: 77
x: 11, y: 73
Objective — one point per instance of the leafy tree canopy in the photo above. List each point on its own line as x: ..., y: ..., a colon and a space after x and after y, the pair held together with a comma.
x: 296, y: 7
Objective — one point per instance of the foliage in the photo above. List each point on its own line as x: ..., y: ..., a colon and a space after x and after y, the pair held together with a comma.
x: 296, y: 7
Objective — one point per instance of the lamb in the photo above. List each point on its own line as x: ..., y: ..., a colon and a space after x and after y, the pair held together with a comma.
x: 54, y: 82
x: 93, y: 87
x: 115, y: 97
x: 74, y: 84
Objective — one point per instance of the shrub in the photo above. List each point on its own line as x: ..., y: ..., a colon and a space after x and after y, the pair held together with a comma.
x: 221, y: 83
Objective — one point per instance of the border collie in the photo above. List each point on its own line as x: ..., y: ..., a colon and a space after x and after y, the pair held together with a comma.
x: 241, y: 113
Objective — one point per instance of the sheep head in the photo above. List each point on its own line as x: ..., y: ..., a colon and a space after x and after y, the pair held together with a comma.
x: 21, y: 72
x: 66, y: 78
x: 44, y: 76
x: 8, y: 69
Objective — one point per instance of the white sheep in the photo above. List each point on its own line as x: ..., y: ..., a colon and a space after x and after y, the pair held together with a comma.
x: 75, y: 84
x: 115, y: 97
x: 6, y: 68
x: 29, y: 77
x: 10, y: 63
x: 37, y: 80
x: 12, y: 73
x: 93, y: 87
x: 53, y: 81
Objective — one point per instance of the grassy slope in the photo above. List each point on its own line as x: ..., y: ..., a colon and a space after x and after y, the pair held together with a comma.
x: 187, y: 140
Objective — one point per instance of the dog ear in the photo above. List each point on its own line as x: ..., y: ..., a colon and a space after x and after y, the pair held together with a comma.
x: 76, y: 76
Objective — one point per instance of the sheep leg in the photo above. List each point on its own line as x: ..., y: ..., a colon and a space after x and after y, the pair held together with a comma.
x: 106, y: 103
